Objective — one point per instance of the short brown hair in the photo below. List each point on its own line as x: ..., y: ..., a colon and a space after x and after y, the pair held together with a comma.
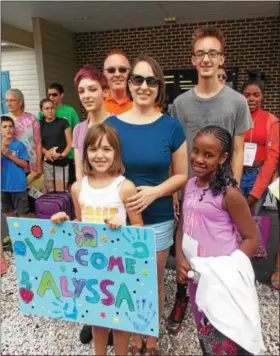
x: 202, y: 32
x: 89, y: 72
x: 43, y: 101
x: 94, y: 136
x: 115, y: 51
x: 158, y: 72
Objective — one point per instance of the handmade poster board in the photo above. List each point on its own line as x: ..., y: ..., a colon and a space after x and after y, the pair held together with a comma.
x: 87, y: 273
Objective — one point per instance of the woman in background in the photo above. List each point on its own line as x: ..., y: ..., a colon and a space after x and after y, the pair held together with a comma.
x: 261, y: 151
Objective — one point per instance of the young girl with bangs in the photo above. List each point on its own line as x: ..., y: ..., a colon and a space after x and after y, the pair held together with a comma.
x: 103, y: 187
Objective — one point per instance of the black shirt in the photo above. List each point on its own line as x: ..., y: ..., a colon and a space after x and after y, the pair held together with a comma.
x: 53, y: 135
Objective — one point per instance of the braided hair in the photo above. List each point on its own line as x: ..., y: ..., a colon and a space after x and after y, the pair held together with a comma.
x: 223, y: 176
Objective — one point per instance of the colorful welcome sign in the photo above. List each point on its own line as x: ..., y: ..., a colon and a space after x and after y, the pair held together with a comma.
x: 87, y: 273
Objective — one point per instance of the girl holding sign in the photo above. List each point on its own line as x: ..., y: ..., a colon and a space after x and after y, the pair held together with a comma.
x: 213, y: 205
x: 101, y: 196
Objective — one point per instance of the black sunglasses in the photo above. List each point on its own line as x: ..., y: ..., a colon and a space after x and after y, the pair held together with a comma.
x: 113, y: 70
x: 52, y: 94
x: 222, y: 76
x: 138, y: 80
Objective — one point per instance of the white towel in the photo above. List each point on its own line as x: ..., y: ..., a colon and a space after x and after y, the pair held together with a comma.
x: 227, y: 295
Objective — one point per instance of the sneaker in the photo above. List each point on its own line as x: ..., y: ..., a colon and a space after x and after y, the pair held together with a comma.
x: 175, y: 319
x: 4, y: 266
x: 86, y: 335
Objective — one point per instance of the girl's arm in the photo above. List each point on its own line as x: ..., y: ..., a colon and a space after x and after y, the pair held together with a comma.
x: 239, y: 211
x: 270, y: 164
x: 127, y: 190
x: 38, y: 145
x: 182, y: 265
x: 75, y: 191
x: 238, y: 156
x: 78, y: 165
x: 68, y: 136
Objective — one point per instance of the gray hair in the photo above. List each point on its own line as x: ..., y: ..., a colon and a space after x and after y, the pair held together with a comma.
x: 19, y: 95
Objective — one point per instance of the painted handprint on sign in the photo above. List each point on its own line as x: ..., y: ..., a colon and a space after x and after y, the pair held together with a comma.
x: 63, y: 310
x: 86, y: 235
x: 145, y: 313
x: 138, y: 243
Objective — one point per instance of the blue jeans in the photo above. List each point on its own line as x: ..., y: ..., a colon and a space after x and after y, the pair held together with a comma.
x: 248, y: 179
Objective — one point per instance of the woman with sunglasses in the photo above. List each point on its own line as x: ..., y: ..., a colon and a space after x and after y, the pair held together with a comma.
x: 222, y: 76
x: 151, y: 142
x: 27, y: 130
x: 261, y: 150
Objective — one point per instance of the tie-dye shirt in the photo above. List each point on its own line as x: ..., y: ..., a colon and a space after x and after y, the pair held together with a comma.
x: 27, y: 131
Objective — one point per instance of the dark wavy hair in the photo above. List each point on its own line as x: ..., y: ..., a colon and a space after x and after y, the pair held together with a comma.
x: 223, y: 176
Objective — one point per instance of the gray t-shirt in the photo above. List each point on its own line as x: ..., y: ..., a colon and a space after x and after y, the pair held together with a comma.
x: 228, y: 109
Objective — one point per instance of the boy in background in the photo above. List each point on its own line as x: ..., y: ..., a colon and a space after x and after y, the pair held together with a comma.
x: 14, y: 160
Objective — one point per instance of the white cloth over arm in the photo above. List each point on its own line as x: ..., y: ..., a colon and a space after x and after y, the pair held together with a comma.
x: 227, y: 295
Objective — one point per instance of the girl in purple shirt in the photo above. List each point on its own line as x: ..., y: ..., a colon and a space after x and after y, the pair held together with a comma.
x: 213, y: 209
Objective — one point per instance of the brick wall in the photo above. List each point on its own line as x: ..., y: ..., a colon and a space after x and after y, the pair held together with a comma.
x: 250, y: 43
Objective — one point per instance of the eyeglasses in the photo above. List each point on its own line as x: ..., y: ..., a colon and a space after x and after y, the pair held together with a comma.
x: 52, y: 94
x: 11, y: 101
x: 222, y: 76
x: 212, y: 53
x: 138, y: 80
x: 113, y: 70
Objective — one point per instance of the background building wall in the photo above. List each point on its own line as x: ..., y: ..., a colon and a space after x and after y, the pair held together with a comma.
x: 55, y: 49
x: 21, y: 65
x: 250, y: 43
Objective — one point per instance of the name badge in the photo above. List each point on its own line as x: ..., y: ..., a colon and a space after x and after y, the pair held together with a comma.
x: 190, y: 247
x: 250, y: 150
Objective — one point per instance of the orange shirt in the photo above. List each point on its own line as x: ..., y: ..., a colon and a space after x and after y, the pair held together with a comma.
x: 114, y: 107
x: 267, y: 129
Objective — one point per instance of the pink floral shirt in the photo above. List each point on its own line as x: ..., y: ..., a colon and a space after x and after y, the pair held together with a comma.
x: 27, y: 131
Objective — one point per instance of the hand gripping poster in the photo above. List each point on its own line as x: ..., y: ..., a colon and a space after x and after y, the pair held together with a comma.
x: 87, y: 273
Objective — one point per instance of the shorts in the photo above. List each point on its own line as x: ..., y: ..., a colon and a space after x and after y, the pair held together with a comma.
x: 163, y: 234
x: 58, y: 172
x: 248, y: 179
x: 16, y: 202
x: 72, y: 171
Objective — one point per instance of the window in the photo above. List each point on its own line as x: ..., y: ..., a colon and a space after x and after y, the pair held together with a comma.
x: 5, y: 86
x: 178, y: 81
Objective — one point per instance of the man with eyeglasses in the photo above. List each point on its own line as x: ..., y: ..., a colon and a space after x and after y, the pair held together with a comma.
x: 116, y: 69
x: 55, y: 92
x: 210, y: 102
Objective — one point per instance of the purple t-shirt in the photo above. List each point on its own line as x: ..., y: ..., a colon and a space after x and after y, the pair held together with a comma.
x: 79, y: 135
x: 207, y: 222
